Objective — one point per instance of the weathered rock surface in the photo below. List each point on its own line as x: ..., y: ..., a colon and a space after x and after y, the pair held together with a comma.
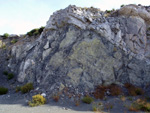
x: 81, y: 48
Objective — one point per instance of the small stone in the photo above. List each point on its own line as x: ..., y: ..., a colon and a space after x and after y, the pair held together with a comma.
x: 37, y: 89
x: 26, y: 101
x: 43, y: 94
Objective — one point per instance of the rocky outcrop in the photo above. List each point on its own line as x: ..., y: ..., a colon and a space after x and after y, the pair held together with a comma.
x: 138, y: 11
x: 81, y: 48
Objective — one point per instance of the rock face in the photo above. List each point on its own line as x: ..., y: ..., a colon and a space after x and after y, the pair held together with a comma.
x: 82, y: 48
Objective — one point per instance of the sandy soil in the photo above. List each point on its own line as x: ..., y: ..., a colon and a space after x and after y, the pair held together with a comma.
x: 17, y: 103
x: 17, y: 108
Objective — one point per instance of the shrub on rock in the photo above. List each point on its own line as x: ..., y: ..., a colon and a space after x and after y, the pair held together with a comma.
x: 27, y: 87
x: 87, y: 99
x: 5, y: 72
x: 10, y: 76
x: 6, y: 35
x: 3, y: 90
x: 14, y: 41
x: 36, y: 31
x: 37, y: 100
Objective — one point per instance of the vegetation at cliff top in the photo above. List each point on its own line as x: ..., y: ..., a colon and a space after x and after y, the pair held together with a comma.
x: 36, y: 31
x: 5, y: 35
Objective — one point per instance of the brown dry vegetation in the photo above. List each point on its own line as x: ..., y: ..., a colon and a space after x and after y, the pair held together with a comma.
x: 100, y: 91
x: 133, y: 90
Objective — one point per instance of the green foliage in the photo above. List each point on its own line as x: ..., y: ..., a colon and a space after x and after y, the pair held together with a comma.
x: 5, y: 72
x: 10, y: 76
x: 122, y: 5
x: 41, y: 29
x: 108, y: 11
x: 94, y: 108
x: 3, y: 46
x: 37, y: 100
x: 36, y: 31
x: 112, y: 10
x: 6, y: 35
x: 87, y: 99
x: 3, y: 90
x: 27, y: 87
x: 14, y: 41
x: 32, y: 32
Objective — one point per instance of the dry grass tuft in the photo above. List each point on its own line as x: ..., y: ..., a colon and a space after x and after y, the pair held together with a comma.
x: 133, y: 90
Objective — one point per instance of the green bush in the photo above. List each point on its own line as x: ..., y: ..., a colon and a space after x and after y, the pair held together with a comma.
x: 27, y: 87
x: 14, y: 41
x: 37, y: 100
x: 36, y: 31
x: 6, y: 35
x: 5, y: 72
x: 41, y: 29
x: 10, y: 76
x: 87, y: 99
x: 33, y: 32
x: 3, y: 90
x: 3, y: 46
x: 122, y: 5
x: 108, y: 11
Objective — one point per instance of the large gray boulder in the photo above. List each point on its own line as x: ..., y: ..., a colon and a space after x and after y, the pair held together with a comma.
x: 82, y: 48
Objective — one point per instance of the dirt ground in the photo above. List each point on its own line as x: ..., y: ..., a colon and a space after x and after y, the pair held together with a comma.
x: 17, y: 103
x: 13, y: 102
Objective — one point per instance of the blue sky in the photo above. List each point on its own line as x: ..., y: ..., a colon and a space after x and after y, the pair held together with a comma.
x: 21, y: 16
